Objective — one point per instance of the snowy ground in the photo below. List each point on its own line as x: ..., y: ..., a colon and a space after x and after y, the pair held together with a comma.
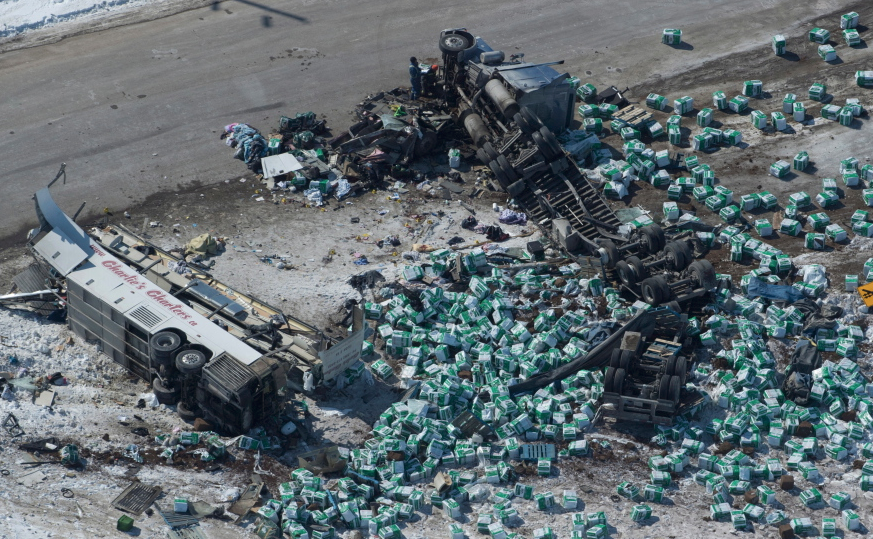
x: 18, y: 16
x: 28, y: 23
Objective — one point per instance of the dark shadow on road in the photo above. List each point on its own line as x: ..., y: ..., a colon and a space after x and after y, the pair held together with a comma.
x: 265, y: 21
x: 684, y: 46
x: 297, y: 18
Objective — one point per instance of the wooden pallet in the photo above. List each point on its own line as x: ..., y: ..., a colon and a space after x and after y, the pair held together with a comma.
x: 136, y: 498
x: 633, y: 116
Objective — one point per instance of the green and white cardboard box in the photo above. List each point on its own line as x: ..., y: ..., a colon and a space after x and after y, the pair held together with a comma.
x: 671, y: 36
x: 788, y: 103
x: 835, y: 232
x: 701, y: 142
x: 656, y: 101
x: 801, y: 161
x: 587, y: 90
x: 753, y: 88
x: 850, y: 164
x: 759, y: 119
x: 790, y: 227
x: 852, y: 37
x: 738, y: 103
x: 780, y: 168
x: 683, y: 105
x: 814, y: 241
x: 863, y: 229
x: 800, y: 199
x: 851, y: 520
x: 799, y: 112
x: 826, y: 199
x: 827, y: 53
x: 778, y: 44
x: 763, y: 227
x: 846, y: 117
x: 750, y: 202
x: 778, y: 120
x: 819, y: 35
x: 817, y: 91
x: 830, y: 112
x: 864, y: 78
x: 849, y: 20
x: 640, y: 512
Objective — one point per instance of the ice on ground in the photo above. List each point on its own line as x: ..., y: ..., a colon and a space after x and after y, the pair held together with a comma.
x: 19, y: 16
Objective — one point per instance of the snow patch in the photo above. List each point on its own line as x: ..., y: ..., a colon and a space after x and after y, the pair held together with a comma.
x: 20, y: 16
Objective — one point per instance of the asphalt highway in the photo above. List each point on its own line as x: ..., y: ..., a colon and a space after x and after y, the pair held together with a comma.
x: 138, y: 109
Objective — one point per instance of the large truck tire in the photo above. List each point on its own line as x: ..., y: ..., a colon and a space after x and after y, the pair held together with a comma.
x: 186, y: 413
x: 455, y: 42
x: 164, y: 395
x: 190, y: 361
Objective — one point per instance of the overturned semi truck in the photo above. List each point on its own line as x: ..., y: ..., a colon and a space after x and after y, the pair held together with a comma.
x: 213, y: 352
x: 511, y: 109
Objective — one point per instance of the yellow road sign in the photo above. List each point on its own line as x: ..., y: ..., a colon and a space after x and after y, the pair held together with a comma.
x: 866, y: 292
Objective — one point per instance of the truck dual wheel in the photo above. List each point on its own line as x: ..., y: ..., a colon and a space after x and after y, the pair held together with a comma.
x: 627, y: 360
x: 608, y: 379
x: 703, y: 273
x: 190, y: 361
x: 490, y: 151
x: 651, y: 239
x: 499, y: 174
x: 482, y: 156
x: 532, y: 119
x: 547, y: 144
x: 507, y: 169
x: 674, y: 254
x: 523, y: 124
x: 686, y: 250
x: 454, y: 43
x: 670, y: 369
x: 655, y: 290
x: 626, y: 274
x: 674, y: 389
x: 638, y: 267
x: 612, y: 255
x: 540, y: 143
x: 164, y: 344
x: 618, y: 381
x: 622, y: 359
x: 615, y: 358
x: 681, y: 370
x: 664, y: 387
x: 187, y: 414
x: 163, y: 394
x: 554, y: 148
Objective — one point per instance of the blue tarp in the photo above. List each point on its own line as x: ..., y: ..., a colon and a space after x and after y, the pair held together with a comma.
x: 778, y: 292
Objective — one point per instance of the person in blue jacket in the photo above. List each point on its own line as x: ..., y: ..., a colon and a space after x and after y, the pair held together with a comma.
x: 414, y: 78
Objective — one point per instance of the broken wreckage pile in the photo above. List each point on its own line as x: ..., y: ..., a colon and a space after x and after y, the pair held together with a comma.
x: 466, y: 350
